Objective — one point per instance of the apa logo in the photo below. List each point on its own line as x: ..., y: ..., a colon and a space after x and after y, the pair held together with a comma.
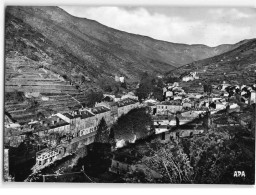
x: 239, y: 174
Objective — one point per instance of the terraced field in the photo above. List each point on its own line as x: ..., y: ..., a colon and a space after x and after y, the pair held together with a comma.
x: 44, y: 92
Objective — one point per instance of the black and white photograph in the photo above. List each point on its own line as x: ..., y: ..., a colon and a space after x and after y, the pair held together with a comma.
x: 132, y: 94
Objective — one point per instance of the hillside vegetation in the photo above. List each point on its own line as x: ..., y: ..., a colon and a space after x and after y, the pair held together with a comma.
x: 99, y: 51
x: 237, y: 66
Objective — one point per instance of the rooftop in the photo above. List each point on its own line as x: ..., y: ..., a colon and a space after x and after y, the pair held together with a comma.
x: 86, y: 114
x: 171, y: 103
x: 48, y: 123
x: 68, y: 115
x: 99, y: 109
x: 126, y: 102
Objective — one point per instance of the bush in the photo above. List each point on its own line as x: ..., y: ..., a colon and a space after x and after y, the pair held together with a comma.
x: 16, y: 96
x: 93, y: 97
x: 150, y: 85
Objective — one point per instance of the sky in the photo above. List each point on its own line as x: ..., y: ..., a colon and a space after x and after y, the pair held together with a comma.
x: 189, y: 25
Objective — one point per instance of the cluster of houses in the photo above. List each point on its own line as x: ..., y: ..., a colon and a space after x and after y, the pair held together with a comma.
x: 181, y: 114
x: 173, y: 92
x: 184, y: 115
x: 65, y: 133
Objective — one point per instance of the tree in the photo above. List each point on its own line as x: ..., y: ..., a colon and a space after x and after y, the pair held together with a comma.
x: 158, y: 93
x: 109, y: 85
x: 137, y: 123
x: 123, y: 85
x: 143, y: 91
x: 93, y: 97
x: 33, y: 104
x: 171, y: 162
x: 208, y: 88
x: 16, y: 96
x: 102, y: 134
x: 171, y: 79
x: 217, y: 155
x: 150, y: 85
x: 112, y: 137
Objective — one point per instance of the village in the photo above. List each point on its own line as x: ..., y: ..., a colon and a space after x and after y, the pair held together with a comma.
x: 181, y: 114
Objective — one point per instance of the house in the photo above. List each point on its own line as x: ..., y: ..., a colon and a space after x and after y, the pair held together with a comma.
x: 117, y: 78
x: 166, y: 108
x: 125, y: 105
x: 233, y: 107
x: 152, y: 107
x: 79, y: 120
x: 83, y: 128
x: 102, y: 112
x: 187, y: 105
x: 130, y: 161
x: 182, y: 131
x: 121, y: 79
x: 253, y: 97
x: 129, y: 95
x: 177, y: 97
x: 122, y: 163
x: 220, y: 106
x: 168, y: 94
x: 188, y: 131
x: 225, y: 122
x: 87, y: 124
x: 187, y: 78
x: 113, y: 109
x: 47, y: 156
x: 117, y: 98
x: 49, y: 132
x: 190, y: 77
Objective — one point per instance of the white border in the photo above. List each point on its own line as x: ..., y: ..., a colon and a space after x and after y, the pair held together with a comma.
x: 143, y: 189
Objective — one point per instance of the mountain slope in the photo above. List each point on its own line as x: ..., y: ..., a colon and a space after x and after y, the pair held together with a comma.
x: 235, y: 66
x: 108, y: 51
x: 36, y: 72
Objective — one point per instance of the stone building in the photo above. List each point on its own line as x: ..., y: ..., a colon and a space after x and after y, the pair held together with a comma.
x: 125, y: 105
x: 102, y: 112
x: 166, y: 108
